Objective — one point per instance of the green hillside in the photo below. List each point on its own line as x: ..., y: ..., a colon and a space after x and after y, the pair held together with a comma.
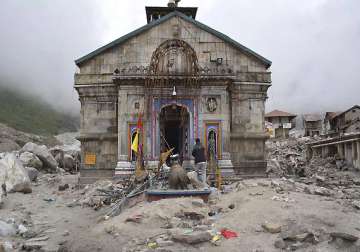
x: 30, y: 114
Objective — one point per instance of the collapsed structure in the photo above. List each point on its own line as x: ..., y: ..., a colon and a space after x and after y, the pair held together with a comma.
x: 188, y: 80
x: 342, y: 122
x: 342, y: 130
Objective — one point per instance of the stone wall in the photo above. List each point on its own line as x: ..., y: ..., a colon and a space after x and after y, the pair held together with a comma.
x: 98, y: 128
x: 248, y: 128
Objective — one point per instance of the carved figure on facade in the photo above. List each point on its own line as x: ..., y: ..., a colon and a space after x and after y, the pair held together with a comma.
x: 174, y: 56
x: 211, y: 104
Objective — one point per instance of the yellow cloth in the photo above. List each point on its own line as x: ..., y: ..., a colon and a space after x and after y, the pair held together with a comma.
x: 135, y: 143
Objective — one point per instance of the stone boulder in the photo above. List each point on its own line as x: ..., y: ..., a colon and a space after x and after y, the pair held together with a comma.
x: 193, y: 177
x: 2, y: 186
x: 32, y: 172
x: 14, y: 175
x: 272, y: 228
x: 67, y: 156
x: 2, y: 197
x: 59, y: 157
x: 66, y: 161
x: 31, y: 160
x: 69, y: 162
x: 6, y: 229
x: 42, y: 152
x: 345, y: 236
x: 191, y: 238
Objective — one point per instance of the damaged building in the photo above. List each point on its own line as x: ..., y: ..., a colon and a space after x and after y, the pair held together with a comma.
x: 312, y: 124
x: 343, y: 122
x: 282, y: 122
x: 342, y: 132
x: 187, y: 81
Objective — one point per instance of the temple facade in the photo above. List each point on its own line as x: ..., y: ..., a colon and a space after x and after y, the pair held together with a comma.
x: 187, y: 81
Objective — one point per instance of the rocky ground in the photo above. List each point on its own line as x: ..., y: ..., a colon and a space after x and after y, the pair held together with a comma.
x: 302, y: 206
x: 12, y: 140
x: 265, y: 214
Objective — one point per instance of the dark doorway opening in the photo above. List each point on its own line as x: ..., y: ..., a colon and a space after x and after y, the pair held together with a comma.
x: 173, y: 135
x: 174, y: 126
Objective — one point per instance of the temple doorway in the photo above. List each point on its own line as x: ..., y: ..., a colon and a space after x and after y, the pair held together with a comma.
x: 174, y: 129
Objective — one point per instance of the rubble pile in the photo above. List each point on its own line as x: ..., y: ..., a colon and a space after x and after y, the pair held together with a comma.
x: 22, y: 165
x: 287, y: 157
x: 183, y: 222
x: 102, y: 193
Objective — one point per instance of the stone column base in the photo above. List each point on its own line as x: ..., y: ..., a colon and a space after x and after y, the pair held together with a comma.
x: 124, y: 168
x: 226, y: 166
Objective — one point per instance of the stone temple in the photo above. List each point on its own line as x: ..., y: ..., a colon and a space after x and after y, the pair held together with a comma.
x: 188, y: 81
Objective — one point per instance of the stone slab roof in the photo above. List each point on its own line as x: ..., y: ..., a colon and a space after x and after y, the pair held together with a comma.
x: 353, y: 107
x: 332, y: 115
x: 279, y: 113
x: 312, y: 117
x: 214, y: 32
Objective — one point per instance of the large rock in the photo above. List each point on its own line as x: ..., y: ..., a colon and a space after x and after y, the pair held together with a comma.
x: 66, y: 161
x: 31, y: 160
x: 2, y: 186
x: 42, y: 152
x: 14, y: 175
x: 2, y: 197
x: 69, y: 162
x: 344, y: 236
x: 191, y: 238
x: 271, y: 227
x: 32, y: 173
x: 6, y: 229
x: 193, y: 177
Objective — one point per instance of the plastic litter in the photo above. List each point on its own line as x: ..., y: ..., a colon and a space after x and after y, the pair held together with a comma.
x: 152, y: 245
x: 228, y: 234
x: 216, y: 238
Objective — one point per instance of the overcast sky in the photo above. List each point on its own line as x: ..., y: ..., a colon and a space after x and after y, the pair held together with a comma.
x: 314, y: 44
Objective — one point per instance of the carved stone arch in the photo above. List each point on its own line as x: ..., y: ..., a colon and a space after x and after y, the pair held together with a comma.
x: 174, y: 57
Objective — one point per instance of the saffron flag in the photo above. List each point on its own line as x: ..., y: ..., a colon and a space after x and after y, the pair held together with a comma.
x: 135, y: 143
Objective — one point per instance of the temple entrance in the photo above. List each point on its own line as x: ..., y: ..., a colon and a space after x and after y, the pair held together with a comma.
x: 174, y: 128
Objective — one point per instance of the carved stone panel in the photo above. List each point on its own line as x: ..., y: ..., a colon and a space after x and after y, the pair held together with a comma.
x: 211, y: 104
x: 174, y: 56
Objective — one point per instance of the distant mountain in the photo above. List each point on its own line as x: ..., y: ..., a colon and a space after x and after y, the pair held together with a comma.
x: 31, y: 114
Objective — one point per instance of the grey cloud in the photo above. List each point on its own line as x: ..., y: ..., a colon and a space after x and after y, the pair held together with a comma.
x: 314, y: 45
x: 39, y: 42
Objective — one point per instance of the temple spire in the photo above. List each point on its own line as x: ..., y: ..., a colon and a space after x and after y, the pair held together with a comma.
x: 173, y: 3
x: 155, y: 13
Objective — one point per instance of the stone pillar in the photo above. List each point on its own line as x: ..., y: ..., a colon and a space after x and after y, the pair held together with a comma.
x: 225, y: 162
x: 340, y: 149
x: 324, y: 151
x: 309, y: 153
x: 353, y: 153
x: 123, y: 167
